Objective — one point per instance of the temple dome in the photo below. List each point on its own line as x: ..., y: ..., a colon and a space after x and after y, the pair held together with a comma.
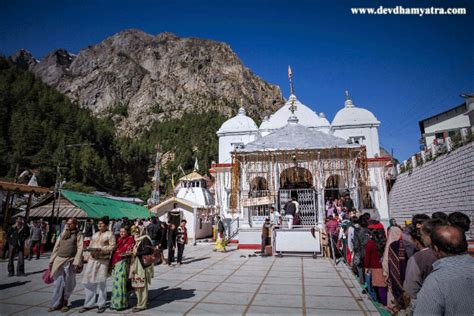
x: 352, y: 115
x: 324, y: 120
x: 305, y: 115
x: 239, y: 123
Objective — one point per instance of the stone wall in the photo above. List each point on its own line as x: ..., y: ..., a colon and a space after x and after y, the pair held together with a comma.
x: 443, y: 185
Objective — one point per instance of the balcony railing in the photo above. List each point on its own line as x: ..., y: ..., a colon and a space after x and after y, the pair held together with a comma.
x: 438, y: 148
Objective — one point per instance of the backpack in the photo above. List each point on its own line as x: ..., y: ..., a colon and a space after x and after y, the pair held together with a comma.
x: 153, y: 258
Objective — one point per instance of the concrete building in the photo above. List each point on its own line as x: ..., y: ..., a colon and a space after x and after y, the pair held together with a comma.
x: 448, y: 123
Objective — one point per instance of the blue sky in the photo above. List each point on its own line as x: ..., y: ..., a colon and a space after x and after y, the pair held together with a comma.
x: 402, y: 68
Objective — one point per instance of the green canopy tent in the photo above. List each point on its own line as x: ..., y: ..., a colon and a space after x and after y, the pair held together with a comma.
x: 97, y: 206
x: 82, y: 205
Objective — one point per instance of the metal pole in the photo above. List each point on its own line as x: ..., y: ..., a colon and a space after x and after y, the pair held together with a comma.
x: 56, y: 186
x: 27, y: 213
x: 59, y: 201
x: 155, y: 194
x: 195, y: 227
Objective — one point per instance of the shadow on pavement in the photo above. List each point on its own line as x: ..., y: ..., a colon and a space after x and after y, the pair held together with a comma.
x: 13, y: 284
x: 76, y: 303
x: 156, y: 297
x: 168, y: 296
x: 191, y: 260
x: 34, y: 272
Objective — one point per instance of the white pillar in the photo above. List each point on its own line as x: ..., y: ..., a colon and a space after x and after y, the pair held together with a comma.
x: 357, y: 197
x: 195, y: 226
x: 423, y: 156
x: 413, y: 161
x: 321, y: 206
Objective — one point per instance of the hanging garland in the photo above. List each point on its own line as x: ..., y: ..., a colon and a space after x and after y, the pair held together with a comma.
x: 235, y: 185
x: 303, y: 166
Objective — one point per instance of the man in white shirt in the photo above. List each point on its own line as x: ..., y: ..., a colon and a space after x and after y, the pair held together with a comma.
x: 275, y: 217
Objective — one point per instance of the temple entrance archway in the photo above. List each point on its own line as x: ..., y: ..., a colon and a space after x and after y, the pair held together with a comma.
x: 367, y: 196
x: 296, y: 178
x: 297, y: 182
x: 334, y: 187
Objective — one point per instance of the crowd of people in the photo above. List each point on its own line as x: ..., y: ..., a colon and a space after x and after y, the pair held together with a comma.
x: 123, y: 250
x: 30, y: 238
x: 340, y: 207
x: 421, y: 269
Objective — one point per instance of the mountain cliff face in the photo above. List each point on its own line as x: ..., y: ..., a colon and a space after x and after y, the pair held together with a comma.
x: 138, y: 78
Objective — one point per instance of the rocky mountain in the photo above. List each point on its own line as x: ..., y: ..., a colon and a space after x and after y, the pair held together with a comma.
x: 138, y: 78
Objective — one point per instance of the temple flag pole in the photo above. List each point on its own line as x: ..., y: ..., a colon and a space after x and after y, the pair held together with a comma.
x: 292, y: 90
x: 290, y: 76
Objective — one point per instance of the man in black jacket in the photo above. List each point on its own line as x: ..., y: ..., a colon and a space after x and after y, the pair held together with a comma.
x: 163, y: 234
x: 171, y: 236
x: 153, y: 230
x: 16, y: 237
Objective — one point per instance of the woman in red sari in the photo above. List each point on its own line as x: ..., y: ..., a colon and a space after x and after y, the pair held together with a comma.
x: 121, y: 265
x: 374, y: 250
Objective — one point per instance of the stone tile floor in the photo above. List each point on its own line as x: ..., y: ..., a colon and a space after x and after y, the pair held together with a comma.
x: 210, y: 283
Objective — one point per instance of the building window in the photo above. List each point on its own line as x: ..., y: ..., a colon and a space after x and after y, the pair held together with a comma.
x: 439, y: 135
x: 356, y: 139
x: 237, y: 145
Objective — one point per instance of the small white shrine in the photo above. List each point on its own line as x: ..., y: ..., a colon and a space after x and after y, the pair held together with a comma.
x: 193, y: 202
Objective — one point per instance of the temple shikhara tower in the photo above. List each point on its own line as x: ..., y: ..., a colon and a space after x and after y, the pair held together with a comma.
x: 297, y: 152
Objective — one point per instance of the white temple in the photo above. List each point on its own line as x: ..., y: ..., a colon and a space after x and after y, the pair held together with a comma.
x: 193, y: 188
x: 327, y: 165
x: 193, y: 202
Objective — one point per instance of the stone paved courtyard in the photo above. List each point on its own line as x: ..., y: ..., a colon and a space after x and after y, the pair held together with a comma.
x: 210, y: 283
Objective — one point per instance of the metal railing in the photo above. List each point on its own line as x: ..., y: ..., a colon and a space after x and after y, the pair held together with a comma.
x: 438, y: 148
x: 233, y: 228
x: 257, y: 193
x: 308, y: 204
